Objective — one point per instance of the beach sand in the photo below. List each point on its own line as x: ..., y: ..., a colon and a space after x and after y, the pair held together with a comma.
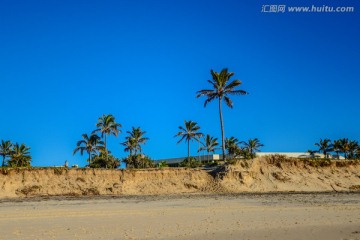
x: 230, y: 216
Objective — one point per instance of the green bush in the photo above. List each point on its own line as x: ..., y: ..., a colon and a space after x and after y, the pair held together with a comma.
x: 103, y: 161
x: 138, y: 161
x: 162, y: 164
x: 190, y: 162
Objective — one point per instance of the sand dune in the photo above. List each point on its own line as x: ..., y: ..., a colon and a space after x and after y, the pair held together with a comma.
x: 258, y: 175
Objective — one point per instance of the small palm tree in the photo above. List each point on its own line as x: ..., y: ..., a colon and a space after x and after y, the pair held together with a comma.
x: 91, y: 145
x: 353, y: 146
x: 253, y: 145
x: 189, y: 132
x: 311, y: 153
x: 20, y: 156
x: 337, y: 147
x: 232, y: 146
x: 209, y: 145
x: 136, y: 138
x: 106, y: 126
x: 344, y: 147
x: 221, y: 91
x: 325, y: 146
x: 5, y: 150
x: 357, y: 153
x: 130, y: 146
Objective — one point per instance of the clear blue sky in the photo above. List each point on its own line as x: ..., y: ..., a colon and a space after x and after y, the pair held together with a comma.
x: 65, y: 63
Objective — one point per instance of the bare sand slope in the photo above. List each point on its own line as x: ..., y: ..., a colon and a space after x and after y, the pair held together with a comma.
x: 267, y: 175
x: 246, y: 216
x: 258, y: 175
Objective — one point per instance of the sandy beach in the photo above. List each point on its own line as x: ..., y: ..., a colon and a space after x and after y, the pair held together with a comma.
x: 217, y: 216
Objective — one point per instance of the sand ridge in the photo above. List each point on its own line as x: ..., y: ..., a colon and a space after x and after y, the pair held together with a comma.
x: 258, y: 175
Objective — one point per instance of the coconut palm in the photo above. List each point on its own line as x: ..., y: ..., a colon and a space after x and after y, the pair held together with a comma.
x: 135, y: 139
x: 253, y: 145
x: 209, y: 145
x: 106, y: 126
x: 353, y: 146
x: 345, y: 147
x: 5, y: 150
x: 221, y: 91
x: 20, y: 156
x: 337, y: 147
x: 130, y: 146
x: 189, y: 132
x: 91, y: 145
x: 357, y: 153
x: 231, y: 145
x: 325, y: 146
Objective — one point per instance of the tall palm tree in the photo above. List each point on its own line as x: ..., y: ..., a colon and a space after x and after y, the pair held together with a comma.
x: 136, y: 138
x: 325, y: 146
x: 106, y: 125
x: 209, y: 145
x: 221, y: 91
x: 5, y: 150
x: 253, y: 145
x: 91, y: 144
x: 231, y: 145
x: 337, y: 147
x: 189, y: 132
x: 20, y: 156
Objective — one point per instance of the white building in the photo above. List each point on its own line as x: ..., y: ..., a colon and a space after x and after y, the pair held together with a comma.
x: 215, y: 157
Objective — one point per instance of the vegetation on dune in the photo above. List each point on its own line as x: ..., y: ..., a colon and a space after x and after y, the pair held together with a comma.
x: 232, y: 146
x: 162, y: 164
x: 349, y: 149
x: 15, y: 155
x: 209, y: 145
x: 134, y: 141
x: 104, y: 161
x: 5, y: 150
x: 91, y: 144
x: 190, y: 162
x: 245, y: 150
x: 325, y: 146
x: 138, y: 161
x: 20, y: 156
x: 107, y: 125
x: 221, y: 91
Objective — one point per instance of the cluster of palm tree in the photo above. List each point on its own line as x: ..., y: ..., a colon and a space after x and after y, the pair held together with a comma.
x: 221, y: 89
x: 133, y: 144
x: 191, y: 132
x: 14, y: 155
x: 349, y: 149
x: 134, y: 140
x: 243, y: 149
x: 96, y: 146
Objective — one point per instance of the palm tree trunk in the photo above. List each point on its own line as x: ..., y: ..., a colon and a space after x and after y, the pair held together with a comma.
x: 189, y: 150
x: 89, y: 158
x: 3, y: 162
x: 105, y: 147
x: 222, y: 128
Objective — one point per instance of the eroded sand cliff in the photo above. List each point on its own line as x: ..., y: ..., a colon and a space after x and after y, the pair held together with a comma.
x: 258, y: 175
